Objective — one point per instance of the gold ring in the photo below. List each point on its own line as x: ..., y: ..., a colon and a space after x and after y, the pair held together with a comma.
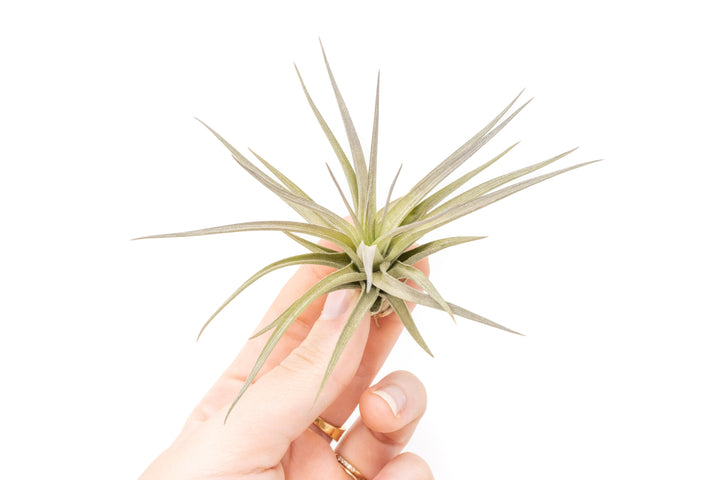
x: 352, y: 472
x: 330, y: 430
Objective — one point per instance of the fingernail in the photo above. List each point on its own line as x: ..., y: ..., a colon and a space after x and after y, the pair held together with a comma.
x: 337, y: 303
x: 393, y: 395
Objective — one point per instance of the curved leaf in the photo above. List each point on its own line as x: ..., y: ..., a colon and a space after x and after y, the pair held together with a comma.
x: 310, y: 211
x: 348, y: 278
x: 405, y: 317
x: 414, y: 255
x: 350, y: 176
x: 361, y: 308
x: 408, y: 234
x: 494, y: 183
x: 371, y: 202
x: 285, y: 319
x: 424, y: 206
x: 400, y: 270
x: 335, y: 260
x: 394, y: 287
x: 289, y: 184
x: 351, y: 213
x: 355, y: 147
x: 312, y: 246
x: 447, y: 166
x: 338, y: 238
x: 388, y: 204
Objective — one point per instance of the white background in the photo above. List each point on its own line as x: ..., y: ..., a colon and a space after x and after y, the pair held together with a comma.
x: 611, y: 271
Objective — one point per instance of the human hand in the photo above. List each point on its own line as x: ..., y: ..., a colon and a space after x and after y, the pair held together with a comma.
x: 269, y: 434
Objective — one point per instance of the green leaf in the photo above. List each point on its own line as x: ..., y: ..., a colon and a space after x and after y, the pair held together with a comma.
x: 342, y: 195
x: 371, y: 202
x: 400, y: 270
x: 355, y: 148
x: 447, y: 166
x: 393, y: 286
x: 476, y: 318
x: 342, y: 279
x: 405, y: 317
x: 412, y: 256
x: 285, y: 319
x: 396, y: 288
x: 265, y: 180
x: 310, y: 211
x: 338, y: 238
x: 494, y: 183
x: 388, y: 203
x: 361, y: 308
x: 408, y: 234
x: 336, y: 260
x: 424, y: 206
x: 339, y: 153
x: 312, y: 246
x: 289, y: 184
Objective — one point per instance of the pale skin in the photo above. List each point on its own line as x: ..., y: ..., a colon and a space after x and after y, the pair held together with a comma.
x: 268, y: 435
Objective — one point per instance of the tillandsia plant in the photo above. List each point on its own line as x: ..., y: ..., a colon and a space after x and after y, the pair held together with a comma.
x: 377, y: 247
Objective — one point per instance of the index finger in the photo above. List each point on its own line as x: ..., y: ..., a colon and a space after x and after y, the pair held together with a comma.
x: 230, y: 382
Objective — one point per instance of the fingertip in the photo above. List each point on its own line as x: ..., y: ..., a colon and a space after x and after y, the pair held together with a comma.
x: 393, y: 396
x: 397, y: 401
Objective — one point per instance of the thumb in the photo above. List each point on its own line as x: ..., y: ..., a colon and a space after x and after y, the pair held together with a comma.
x: 285, y: 401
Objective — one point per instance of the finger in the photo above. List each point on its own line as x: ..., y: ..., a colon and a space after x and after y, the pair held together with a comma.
x: 281, y: 405
x: 406, y: 466
x: 231, y: 381
x: 389, y: 414
x: 381, y: 339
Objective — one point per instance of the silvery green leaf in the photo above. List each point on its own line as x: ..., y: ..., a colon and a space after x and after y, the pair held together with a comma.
x: 371, y: 202
x: 408, y: 234
x: 336, y: 260
x: 339, y: 153
x: 437, y: 197
x: 398, y: 289
x: 449, y: 165
x: 405, y: 317
x: 414, y: 255
x: 388, y: 203
x: 307, y: 208
x: 312, y: 246
x: 361, y: 308
x: 491, y: 185
x: 400, y: 270
x: 338, y: 238
x: 339, y: 280
x: 351, y: 213
x: 280, y: 325
x: 355, y: 148
x: 289, y: 184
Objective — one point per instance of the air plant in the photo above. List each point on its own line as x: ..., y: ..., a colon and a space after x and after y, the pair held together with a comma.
x: 376, y: 247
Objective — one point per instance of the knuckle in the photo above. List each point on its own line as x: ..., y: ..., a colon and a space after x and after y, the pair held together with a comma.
x: 305, y: 358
